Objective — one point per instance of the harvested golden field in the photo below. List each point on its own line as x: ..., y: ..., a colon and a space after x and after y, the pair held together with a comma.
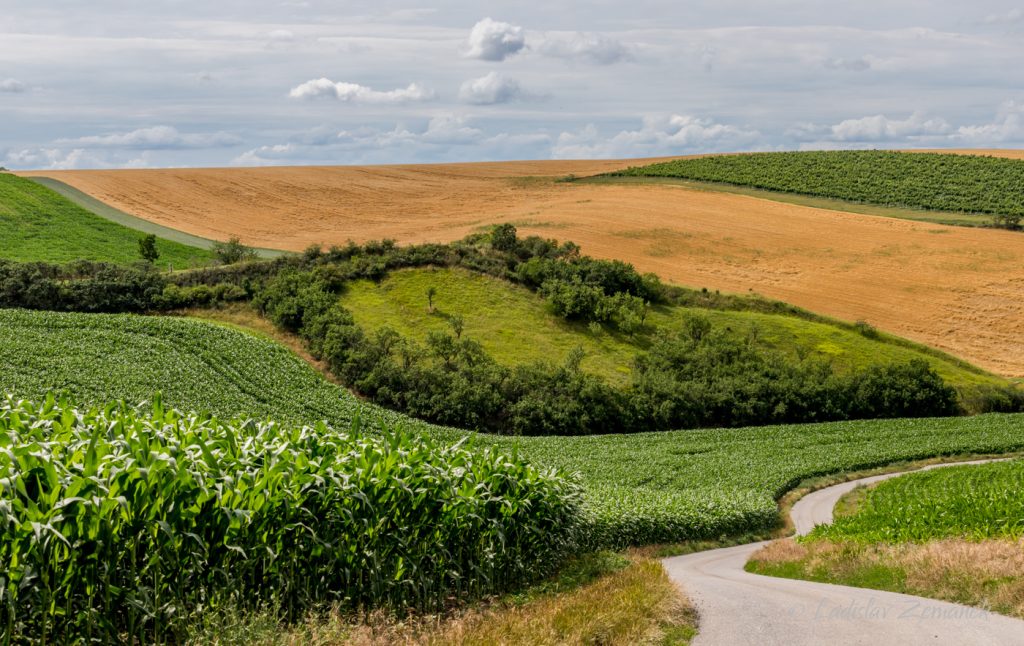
x: 958, y: 289
x: 989, y: 152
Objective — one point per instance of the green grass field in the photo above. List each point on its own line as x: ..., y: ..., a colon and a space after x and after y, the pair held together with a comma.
x: 934, y: 182
x: 652, y: 487
x: 37, y: 224
x: 515, y: 327
x: 975, y: 502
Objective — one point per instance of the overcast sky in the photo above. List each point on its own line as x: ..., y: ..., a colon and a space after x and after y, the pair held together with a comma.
x: 127, y: 83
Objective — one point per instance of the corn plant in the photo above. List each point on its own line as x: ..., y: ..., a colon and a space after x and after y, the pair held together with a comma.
x: 118, y: 523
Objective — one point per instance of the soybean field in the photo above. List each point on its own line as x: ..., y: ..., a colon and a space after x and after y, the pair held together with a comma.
x: 974, y: 502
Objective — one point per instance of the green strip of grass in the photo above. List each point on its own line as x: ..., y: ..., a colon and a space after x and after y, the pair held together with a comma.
x: 38, y: 225
x: 108, y: 212
x: 831, y: 204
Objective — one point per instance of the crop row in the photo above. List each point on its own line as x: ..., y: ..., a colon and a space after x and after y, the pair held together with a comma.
x: 119, y: 522
x: 943, y: 182
x: 974, y: 502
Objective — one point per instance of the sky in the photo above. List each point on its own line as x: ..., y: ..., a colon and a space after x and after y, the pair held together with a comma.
x: 181, y: 83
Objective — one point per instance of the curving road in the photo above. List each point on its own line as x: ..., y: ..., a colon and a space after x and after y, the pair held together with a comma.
x: 738, y: 608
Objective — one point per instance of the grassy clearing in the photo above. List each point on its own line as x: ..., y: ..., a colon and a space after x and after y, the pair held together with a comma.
x: 515, y: 327
x: 939, y: 182
x: 639, y: 489
x: 987, y: 574
x: 39, y: 225
x: 602, y: 598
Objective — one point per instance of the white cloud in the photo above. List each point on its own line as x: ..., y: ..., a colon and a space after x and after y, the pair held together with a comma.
x: 675, y: 134
x: 877, y: 128
x: 12, y: 86
x: 1007, y: 127
x: 881, y: 128
x: 491, y: 89
x: 48, y: 159
x: 355, y: 93
x: 591, y: 48
x: 157, y: 137
x: 490, y: 40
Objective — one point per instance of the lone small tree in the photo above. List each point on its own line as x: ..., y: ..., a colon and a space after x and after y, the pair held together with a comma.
x: 147, y: 248
x: 232, y: 251
x: 458, y: 325
x: 431, y: 293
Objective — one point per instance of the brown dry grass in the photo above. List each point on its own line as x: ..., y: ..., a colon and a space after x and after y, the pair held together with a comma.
x: 635, y: 605
x: 962, y: 291
x: 987, y: 574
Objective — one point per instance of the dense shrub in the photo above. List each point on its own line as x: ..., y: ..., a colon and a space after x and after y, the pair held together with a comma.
x: 118, y: 524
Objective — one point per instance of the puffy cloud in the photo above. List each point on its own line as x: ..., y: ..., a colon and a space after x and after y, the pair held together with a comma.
x: 587, y: 47
x: 873, y: 129
x: 675, y: 134
x: 157, y: 137
x: 490, y: 40
x: 490, y: 89
x: 917, y: 129
x: 49, y: 159
x: 882, y: 128
x: 355, y: 93
x: 12, y: 86
x: 1007, y: 127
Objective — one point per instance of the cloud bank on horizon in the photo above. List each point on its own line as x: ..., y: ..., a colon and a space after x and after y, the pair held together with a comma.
x: 253, y: 82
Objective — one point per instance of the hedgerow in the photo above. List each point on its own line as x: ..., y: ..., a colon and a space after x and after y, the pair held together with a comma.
x: 119, y: 524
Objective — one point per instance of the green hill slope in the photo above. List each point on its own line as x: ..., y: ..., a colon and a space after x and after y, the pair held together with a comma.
x: 38, y: 224
x: 514, y: 326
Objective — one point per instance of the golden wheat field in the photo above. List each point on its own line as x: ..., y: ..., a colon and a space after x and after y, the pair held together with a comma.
x: 958, y: 289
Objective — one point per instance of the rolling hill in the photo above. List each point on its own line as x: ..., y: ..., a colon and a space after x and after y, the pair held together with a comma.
x: 953, y: 288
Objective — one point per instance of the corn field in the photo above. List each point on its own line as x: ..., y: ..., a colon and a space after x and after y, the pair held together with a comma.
x: 123, y: 524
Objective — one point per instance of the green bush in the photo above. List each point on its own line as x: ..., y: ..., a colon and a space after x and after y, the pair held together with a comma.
x: 120, y: 524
